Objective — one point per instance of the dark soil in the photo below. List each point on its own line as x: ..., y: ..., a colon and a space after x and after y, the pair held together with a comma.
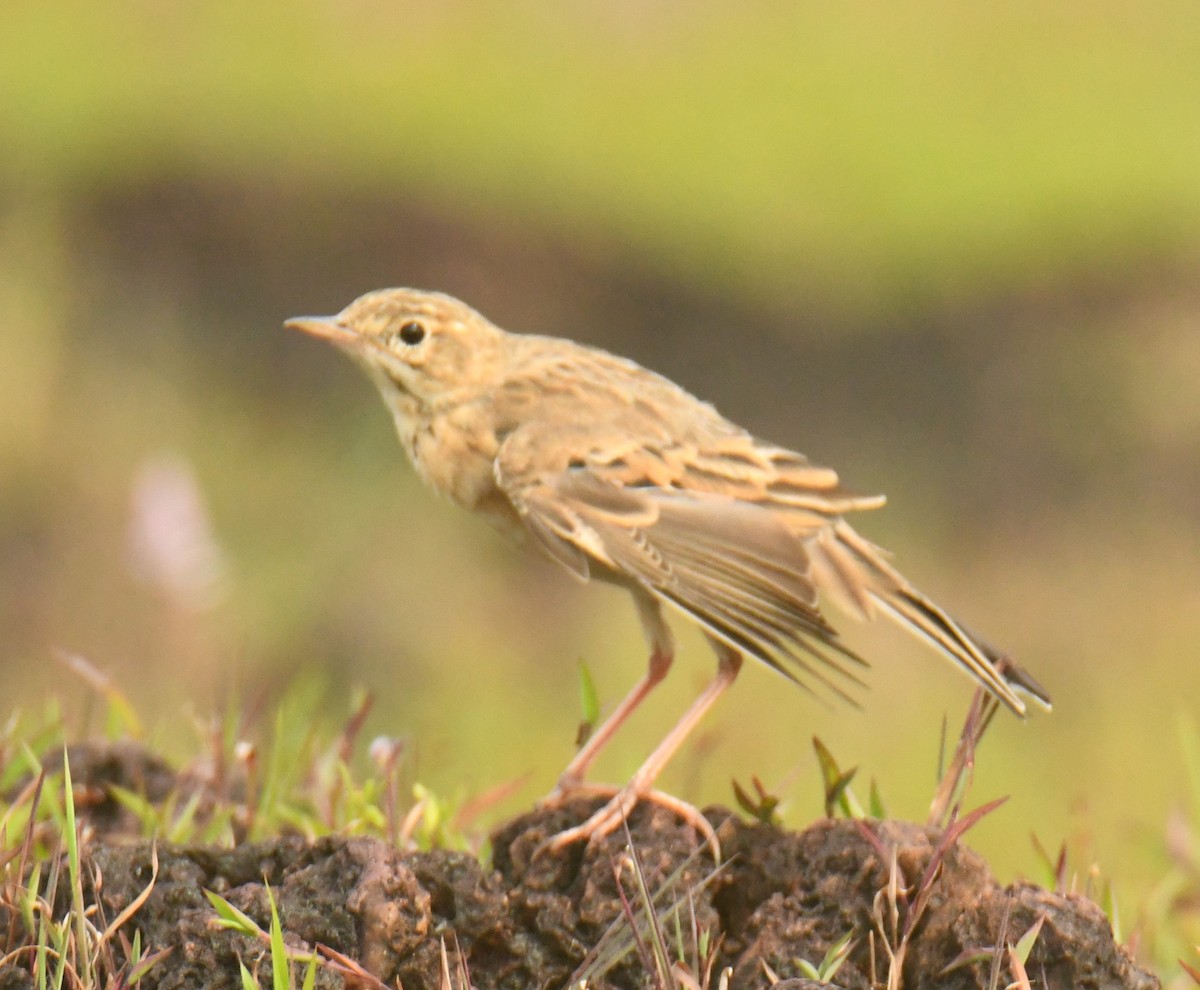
x: 531, y: 919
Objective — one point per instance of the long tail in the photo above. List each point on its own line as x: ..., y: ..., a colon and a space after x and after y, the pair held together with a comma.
x: 858, y: 576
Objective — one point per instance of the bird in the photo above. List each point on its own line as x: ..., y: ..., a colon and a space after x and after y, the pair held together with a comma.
x: 619, y: 475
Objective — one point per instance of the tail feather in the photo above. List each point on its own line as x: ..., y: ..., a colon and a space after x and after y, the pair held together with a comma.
x: 920, y: 615
x: 859, y: 578
x: 1017, y: 676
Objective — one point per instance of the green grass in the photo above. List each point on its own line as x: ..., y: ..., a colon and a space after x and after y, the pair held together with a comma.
x: 316, y: 780
x: 310, y: 783
x: 866, y: 155
x: 282, y: 960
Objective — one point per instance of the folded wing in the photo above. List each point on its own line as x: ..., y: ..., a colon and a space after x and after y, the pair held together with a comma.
x: 737, y: 534
x: 732, y: 565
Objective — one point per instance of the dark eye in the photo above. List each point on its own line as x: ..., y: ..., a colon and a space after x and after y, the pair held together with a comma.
x: 412, y: 333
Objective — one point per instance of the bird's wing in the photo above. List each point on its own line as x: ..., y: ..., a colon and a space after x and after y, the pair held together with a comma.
x: 737, y: 533
x: 700, y: 533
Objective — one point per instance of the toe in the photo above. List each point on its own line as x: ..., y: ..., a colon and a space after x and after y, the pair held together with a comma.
x: 614, y: 814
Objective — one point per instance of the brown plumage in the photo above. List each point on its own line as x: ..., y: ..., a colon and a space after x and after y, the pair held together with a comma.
x: 618, y: 474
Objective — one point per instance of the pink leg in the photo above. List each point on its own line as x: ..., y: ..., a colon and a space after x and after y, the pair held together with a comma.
x: 662, y: 648
x: 608, y: 818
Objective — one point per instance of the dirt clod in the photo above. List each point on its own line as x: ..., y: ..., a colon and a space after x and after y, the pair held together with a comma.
x: 534, y: 917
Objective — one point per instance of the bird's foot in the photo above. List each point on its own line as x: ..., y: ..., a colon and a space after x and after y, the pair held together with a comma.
x: 610, y: 817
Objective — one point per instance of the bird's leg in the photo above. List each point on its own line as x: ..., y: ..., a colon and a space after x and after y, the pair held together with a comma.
x: 608, y: 818
x: 662, y: 652
x: 571, y: 779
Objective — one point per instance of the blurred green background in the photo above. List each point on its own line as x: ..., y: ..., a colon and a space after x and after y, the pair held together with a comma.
x: 950, y: 249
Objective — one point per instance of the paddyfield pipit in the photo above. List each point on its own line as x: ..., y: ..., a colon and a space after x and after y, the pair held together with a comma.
x: 619, y: 474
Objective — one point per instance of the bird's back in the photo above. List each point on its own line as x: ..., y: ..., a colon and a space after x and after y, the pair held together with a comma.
x: 638, y: 429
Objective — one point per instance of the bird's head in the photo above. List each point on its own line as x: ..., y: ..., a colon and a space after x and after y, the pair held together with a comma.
x: 426, y: 344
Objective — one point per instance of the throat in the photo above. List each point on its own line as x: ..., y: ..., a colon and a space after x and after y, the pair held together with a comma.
x: 408, y: 413
x: 452, y: 448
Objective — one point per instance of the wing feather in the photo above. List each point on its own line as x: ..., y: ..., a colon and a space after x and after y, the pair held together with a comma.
x: 731, y: 566
x: 737, y: 534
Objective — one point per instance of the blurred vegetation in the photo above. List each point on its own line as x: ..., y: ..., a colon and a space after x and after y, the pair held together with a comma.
x: 949, y: 249
x: 916, y: 150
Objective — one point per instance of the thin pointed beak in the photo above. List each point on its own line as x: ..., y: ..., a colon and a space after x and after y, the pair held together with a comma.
x: 325, y: 327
